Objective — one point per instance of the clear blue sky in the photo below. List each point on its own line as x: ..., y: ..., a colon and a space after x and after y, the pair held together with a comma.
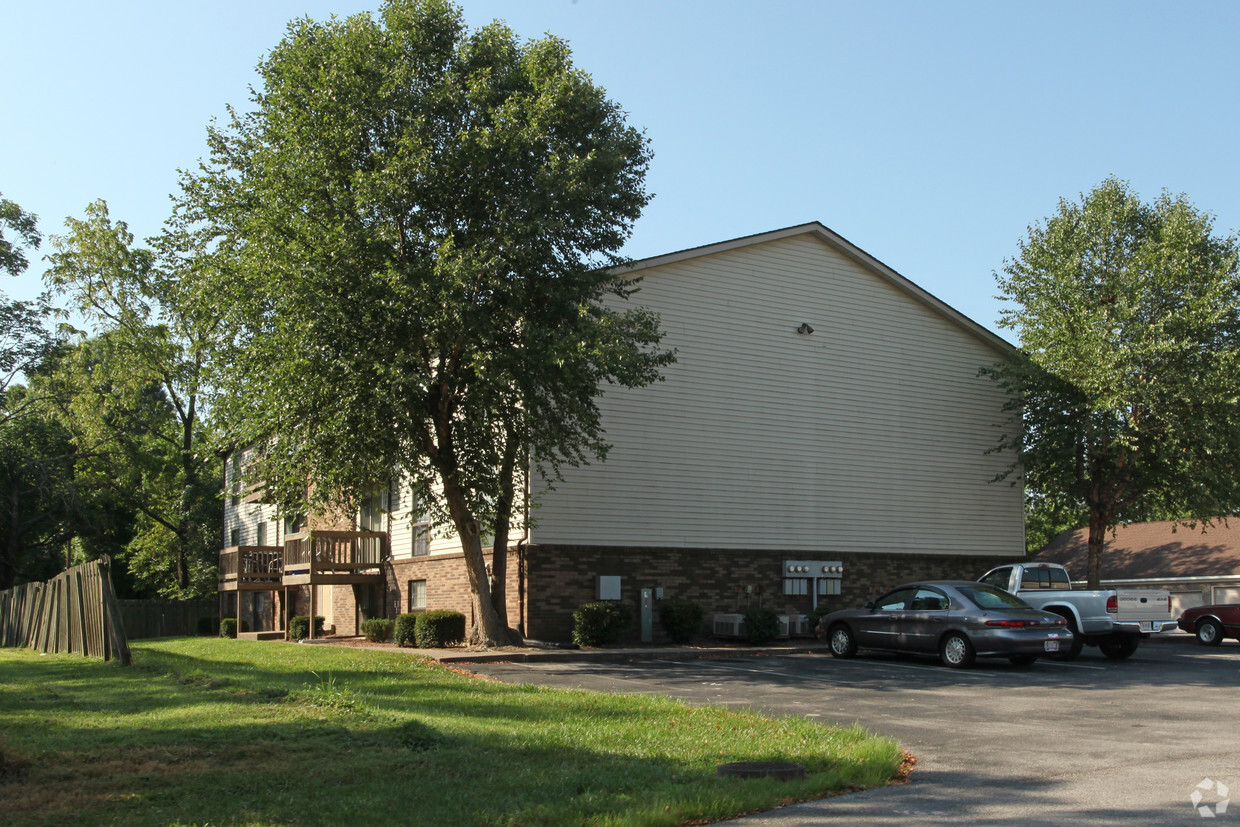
x: 929, y: 134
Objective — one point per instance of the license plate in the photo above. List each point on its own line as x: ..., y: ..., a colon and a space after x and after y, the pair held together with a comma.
x: 1052, y: 646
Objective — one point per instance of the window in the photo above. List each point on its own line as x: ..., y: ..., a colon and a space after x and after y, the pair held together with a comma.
x: 927, y: 600
x: 295, y: 524
x: 235, y: 462
x: 262, y: 533
x: 417, y: 595
x: 998, y: 578
x: 234, y: 537
x: 371, y: 516
x: 1040, y: 577
x: 895, y: 601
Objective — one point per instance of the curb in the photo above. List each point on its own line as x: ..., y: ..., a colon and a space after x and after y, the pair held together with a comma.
x: 622, y: 655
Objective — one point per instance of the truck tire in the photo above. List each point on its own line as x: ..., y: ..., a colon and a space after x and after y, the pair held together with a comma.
x: 1209, y: 632
x: 1073, y: 649
x: 1119, y: 647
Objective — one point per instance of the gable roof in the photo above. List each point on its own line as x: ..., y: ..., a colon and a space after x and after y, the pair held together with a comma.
x: 844, y: 247
x: 1151, y: 550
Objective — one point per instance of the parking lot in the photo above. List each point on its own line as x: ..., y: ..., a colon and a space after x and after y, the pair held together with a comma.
x: 1093, y: 741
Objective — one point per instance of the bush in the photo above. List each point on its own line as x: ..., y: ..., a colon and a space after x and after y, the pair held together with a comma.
x: 228, y: 627
x: 299, y: 627
x: 377, y: 629
x: 761, y: 626
x: 600, y: 624
x: 404, y: 631
x: 681, y: 619
x: 439, y: 628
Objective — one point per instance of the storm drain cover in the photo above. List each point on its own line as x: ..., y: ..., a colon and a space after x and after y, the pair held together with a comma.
x: 760, y: 769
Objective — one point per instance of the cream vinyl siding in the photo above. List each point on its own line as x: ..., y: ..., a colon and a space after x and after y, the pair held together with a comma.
x: 441, y: 541
x: 243, y: 516
x: 870, y: 434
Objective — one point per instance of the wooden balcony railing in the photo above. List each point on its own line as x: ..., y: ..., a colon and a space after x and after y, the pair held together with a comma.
x: 305, y: 555
x: 251, y: 564
x: 333, y: 550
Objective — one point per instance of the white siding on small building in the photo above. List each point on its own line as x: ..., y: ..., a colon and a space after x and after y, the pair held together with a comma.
x: 868, y: 435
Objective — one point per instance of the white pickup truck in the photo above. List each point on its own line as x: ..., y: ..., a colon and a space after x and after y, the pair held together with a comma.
x: 1113, y: 620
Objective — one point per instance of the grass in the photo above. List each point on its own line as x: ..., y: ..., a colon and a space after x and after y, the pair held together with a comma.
x: 210, y: 731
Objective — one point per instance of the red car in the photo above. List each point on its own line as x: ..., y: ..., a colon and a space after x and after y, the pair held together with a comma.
x: 1212, y: 623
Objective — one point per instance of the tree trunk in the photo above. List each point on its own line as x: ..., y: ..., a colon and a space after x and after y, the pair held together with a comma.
x: 1098, y: 524
x: 487, y: 629
x: 503, y: 524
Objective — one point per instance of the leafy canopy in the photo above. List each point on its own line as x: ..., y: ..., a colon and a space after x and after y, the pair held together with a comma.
x: 1126, y: 383
x: 415, y: 230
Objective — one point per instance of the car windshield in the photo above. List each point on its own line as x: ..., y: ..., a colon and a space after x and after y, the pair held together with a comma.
x: 988, y: 597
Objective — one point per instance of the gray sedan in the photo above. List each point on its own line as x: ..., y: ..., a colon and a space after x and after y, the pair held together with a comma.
x: 959, y: 619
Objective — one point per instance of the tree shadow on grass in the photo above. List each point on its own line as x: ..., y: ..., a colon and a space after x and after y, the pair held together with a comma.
x: 196, y: 742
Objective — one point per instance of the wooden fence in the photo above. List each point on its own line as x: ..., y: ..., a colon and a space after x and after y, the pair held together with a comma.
x: 76, y: 611
x: 169, y: 618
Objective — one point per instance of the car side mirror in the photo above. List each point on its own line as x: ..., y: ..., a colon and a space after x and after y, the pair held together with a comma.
x: 870, y: 604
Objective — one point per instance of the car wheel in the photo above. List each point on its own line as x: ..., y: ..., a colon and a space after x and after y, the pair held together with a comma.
x: 843, y: 644
x: 956, y: 651
x: 1120, y: 646
x: 1209, y: 632
x: 1022, y: 660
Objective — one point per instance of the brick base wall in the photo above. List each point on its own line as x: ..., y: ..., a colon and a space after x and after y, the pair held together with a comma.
x: 447, y: 585
x: 560, y: 578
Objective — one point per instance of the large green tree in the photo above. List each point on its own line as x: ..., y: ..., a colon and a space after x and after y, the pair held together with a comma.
x: 132, y: 394
x: 414, y: 230
x: 1126, y: 387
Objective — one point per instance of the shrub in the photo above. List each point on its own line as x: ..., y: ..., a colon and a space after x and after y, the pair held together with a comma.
x: 681, y: 619
x: 377, y: 629
x: 299, y: 627
x: 404, y: 631
x: 600, y: 624
x: 761, y: 626
x: 228, y: 627
x: 439, y: 628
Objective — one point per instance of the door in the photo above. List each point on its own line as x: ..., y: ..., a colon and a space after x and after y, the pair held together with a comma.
x: 924, y: 620
x: 880, y: 628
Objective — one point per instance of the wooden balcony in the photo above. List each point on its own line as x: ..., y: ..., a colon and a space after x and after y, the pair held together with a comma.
x: 251, y: 568
x: 307, y: 558
x: 333, y: 557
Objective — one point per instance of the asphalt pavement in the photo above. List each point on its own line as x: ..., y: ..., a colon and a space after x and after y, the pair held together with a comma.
x: 1148, y: 740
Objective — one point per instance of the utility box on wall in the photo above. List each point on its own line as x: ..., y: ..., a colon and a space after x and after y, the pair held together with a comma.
x: 608, y: 587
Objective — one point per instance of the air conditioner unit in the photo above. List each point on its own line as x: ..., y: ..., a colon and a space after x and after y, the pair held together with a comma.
x: 727, y: 625
x: 796, y: 625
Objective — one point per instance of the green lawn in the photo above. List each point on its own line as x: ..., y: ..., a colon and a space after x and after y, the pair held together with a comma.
x: 213, y: 731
